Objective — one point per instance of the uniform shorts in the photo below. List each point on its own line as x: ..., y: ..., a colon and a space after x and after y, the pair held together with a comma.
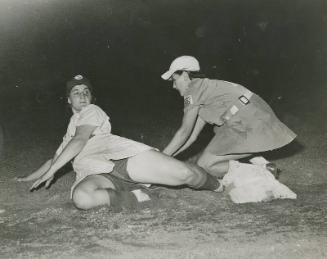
x: 120, y: 178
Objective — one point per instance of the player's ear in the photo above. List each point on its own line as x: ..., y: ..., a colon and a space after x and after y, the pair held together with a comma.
x: 185, y: 76
x: 69, y: 101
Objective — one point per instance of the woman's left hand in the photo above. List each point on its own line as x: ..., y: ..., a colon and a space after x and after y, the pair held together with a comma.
x: 47, y: 178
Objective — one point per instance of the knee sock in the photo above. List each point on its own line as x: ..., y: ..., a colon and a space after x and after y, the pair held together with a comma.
x: 122, y: 199
x: 208, y: 182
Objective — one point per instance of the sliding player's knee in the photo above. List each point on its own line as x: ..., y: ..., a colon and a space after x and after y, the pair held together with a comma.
x: 82, y: 199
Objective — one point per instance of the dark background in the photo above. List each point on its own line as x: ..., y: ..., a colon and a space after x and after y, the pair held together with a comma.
x: 275, y: 48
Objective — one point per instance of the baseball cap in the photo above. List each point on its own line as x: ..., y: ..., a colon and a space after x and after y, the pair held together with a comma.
x: 77, y: 80
x: 184, y: 63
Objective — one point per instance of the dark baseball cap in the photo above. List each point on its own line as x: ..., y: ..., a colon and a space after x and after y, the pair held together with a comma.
x: 77, y: 80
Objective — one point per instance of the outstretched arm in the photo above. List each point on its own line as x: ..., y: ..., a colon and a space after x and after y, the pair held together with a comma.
x: 184, y: 132
x: 200, y: 123
x: 37, y: 173
x: 72, y: 149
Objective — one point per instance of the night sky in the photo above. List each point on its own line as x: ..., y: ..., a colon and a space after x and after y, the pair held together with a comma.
x: 274, y: 48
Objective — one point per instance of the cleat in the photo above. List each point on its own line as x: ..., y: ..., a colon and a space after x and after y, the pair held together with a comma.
x: 221, y: 186
x: 273, y: 169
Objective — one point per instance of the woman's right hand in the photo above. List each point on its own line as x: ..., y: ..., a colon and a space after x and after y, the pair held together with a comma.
x: 47, y: 178
x: 36, y: 174
x: 23, y: 179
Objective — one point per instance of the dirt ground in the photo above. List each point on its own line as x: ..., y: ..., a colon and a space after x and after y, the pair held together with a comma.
x: 177, y: 223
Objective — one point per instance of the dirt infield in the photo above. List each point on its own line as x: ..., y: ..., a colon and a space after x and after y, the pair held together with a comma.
x: 177, y: 223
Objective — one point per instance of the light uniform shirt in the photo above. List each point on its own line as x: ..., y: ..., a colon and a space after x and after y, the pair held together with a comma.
x: 253, y: 128
x: 102, y: 147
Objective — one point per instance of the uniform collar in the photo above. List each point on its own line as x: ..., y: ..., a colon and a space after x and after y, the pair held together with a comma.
x: 195, y: 83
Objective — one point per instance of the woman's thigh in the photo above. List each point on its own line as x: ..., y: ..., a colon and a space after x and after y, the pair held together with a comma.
x: 155, y: 167
x: 93, y: 182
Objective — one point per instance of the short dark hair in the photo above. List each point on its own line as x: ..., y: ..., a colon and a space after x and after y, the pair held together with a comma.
x: 192, y: 74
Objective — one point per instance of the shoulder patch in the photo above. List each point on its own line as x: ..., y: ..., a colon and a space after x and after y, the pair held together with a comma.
x: 188, y: 100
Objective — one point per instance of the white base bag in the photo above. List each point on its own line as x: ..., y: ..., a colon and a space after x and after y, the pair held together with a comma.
x: 253, y: 183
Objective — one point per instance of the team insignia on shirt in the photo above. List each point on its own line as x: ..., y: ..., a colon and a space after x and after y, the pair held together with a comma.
x: 188, y: 100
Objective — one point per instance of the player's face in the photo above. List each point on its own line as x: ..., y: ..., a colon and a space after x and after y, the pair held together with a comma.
x: 180, y: 82
x: 80, y: 96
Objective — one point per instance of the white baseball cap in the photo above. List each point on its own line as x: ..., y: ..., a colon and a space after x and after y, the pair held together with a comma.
x: 184, y: 63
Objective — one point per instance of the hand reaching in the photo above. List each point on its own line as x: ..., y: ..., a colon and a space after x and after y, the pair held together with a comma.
x: 22, y: 179
x: 37, y: 174
x: 47, y: 178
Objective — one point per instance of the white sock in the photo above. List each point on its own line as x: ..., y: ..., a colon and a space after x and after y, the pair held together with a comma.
x: 141, y: 196
x: 232, y: 164
x: 221, y: 186
x: 259, y: 160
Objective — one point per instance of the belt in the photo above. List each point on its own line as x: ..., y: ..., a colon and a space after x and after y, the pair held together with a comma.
x: 244, y: 99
